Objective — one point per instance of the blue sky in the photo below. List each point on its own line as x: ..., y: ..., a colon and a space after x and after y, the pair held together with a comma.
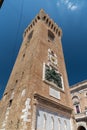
x: 70, y: 15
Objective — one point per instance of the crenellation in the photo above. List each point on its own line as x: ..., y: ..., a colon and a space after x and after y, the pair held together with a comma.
x: 44, y: 18
x: 29, y: 28
x: 47, y: 20
x: 59, y: 32
x: 24, y: 34
x: 49, y: 23
x: 35, y: 20
x: 26, y: 30
x: 54, y: 28
x: 38, y: 17
x: 33, y: 23
x: 42, y: 14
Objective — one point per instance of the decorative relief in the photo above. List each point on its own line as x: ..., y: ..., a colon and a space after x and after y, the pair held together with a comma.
x: 52, y: 76
x: 26, y: 113
x: 52, y: 58
x: 47, y: 120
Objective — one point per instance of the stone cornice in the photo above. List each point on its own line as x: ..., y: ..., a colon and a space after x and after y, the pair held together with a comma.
x: 78, y: 88
x: 47, y: 101
x: 78, y: 84
x: 81, y: 119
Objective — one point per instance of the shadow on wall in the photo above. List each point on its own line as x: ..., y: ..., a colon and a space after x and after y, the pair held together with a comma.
x: 81, y: 128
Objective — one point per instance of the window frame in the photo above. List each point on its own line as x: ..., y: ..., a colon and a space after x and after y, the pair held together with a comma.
x: 51, y: 83
x: 51, y: 36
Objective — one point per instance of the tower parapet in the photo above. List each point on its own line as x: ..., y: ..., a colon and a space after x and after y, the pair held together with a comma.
x: 47, y: 20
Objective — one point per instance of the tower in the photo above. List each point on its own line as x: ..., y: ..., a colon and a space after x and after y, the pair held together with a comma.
x: 37, y: 94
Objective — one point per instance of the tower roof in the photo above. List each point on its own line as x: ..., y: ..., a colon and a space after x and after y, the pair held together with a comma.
x: 42, y: 16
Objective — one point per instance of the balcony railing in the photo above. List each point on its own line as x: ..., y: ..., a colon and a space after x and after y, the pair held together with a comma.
x: 81, y: 116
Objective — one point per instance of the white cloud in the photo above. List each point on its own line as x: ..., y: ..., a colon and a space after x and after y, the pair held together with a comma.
x: 58, y: 3
x: 69, y: 5
x: 66, y: 1
x: 74, y: 7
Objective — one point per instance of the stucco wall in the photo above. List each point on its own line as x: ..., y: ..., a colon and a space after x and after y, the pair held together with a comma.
x: 46, y: 120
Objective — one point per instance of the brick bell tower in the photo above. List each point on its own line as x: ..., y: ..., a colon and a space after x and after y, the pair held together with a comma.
x: 37, y: 94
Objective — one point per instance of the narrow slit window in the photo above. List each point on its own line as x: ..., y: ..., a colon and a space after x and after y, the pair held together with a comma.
x: 52, y: 123
x: 30, y: 36
x: 77, y: 109
x: 10, y: 102
x: 44, y: 122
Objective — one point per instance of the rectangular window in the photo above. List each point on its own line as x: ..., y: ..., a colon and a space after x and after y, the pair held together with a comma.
x: 77, y: 109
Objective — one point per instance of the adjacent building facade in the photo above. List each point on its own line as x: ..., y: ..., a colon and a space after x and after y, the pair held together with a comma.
x: 79, y: 99
x: 37, y: 95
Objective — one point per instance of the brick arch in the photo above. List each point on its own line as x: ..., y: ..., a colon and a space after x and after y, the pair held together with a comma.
x: 75, y: 99
x: 81, y: 128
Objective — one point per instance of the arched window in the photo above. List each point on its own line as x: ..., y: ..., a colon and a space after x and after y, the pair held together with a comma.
x: 81, y: 128
x: 44, y: 122
x: 51, y: 36
x: 59, y: 124
x: 65, y: 125
x: 77, y: 108
x: 52, y: 123
x: 76, y: 104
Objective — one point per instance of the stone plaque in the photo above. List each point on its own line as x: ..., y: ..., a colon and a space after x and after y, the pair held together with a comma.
x: 54, y: 93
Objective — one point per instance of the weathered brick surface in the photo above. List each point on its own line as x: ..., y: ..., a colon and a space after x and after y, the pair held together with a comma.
x: 27, y: 76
